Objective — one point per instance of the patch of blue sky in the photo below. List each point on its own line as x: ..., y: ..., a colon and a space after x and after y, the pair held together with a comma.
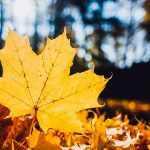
x: 43, y: 29
x: 81, y: 53
x: 109, y: 51
x: 94, y: 6
x: 24, y: 15
x: 109, y: 9
x: 79, y: 32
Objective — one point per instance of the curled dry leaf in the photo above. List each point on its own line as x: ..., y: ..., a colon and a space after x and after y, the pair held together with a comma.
x: 40, y: 141
x: 129, y: 141
x: 42, y: 85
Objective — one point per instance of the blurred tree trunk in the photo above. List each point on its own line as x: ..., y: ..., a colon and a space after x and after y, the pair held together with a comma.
x: 36, y: 35
x: 59, y: 21
x: 1, y: 23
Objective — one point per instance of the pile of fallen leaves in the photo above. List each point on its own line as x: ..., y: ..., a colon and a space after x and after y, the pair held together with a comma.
x: 43, y: 107
x: 99, y: 133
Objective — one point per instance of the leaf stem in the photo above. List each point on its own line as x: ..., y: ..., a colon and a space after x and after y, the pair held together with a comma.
x: 33, y: 121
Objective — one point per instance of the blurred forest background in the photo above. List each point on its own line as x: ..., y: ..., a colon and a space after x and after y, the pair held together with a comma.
x: 112, y: 35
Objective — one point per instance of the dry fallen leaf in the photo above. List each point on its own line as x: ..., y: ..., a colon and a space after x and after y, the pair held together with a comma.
x: 129, y: 141
x: 41, y: 85
x: 37, y: 140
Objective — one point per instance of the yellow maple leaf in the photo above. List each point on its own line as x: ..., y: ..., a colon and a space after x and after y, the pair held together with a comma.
x: 42, y: 85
